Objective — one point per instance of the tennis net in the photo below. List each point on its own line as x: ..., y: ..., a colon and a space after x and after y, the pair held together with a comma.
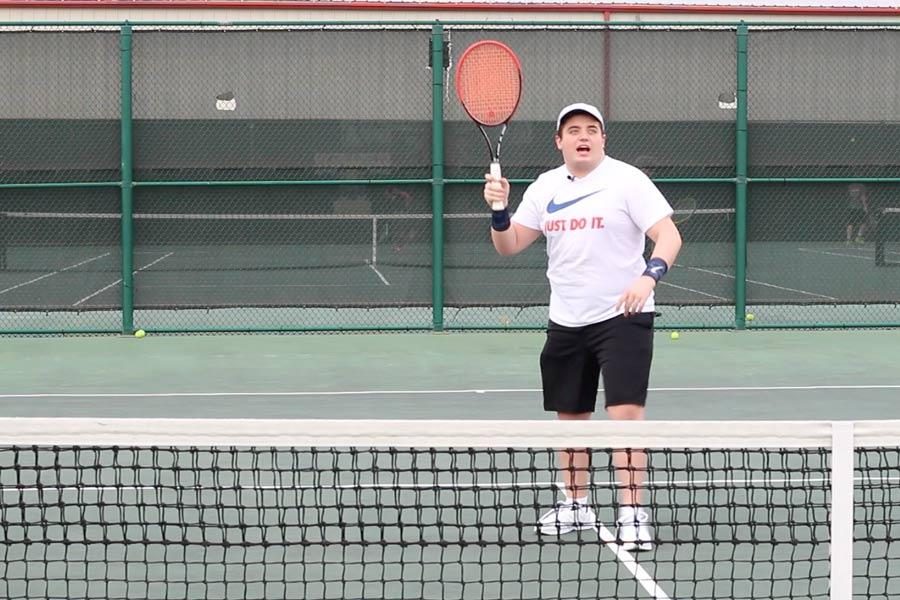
x: 73, y: 260
x: 887, y: 237
x: 34, y: 241
x: 185, y: 241
x: 262, y: 509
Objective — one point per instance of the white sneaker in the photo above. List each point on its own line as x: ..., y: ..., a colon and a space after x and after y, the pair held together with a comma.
x: 566, y: 517
x: 633, y: 530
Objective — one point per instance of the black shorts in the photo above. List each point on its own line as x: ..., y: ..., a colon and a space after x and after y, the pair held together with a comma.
x: 856, y: 216
x: 574, y: 357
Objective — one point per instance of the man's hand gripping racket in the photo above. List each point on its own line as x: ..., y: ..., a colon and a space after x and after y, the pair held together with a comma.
x: 489, y: 87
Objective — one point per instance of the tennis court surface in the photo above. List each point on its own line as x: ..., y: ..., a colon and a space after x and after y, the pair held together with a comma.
x: 215, y: 269
x: 401, y: 466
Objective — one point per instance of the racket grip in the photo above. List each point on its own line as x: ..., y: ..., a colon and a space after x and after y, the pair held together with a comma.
x: 496, y: 172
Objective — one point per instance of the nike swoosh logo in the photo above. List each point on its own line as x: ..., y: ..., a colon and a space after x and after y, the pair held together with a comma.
x: 552, y: 207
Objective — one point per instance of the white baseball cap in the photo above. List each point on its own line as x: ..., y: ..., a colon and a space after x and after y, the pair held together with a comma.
x: 583, y: 108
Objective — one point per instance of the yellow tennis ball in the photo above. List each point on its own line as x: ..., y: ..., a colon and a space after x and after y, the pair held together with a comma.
x: 750, y: 316
x: 675, y: 335
x: 140, y: 333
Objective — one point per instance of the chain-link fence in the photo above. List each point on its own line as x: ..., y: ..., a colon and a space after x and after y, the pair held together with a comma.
x: 287, y: 177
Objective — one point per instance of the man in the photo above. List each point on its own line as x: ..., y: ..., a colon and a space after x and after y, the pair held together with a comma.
x: 858, y: 213
x: 595, y: 212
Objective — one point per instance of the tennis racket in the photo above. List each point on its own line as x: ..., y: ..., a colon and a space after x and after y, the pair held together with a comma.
x: 684, y: 208
x: 489, y: 87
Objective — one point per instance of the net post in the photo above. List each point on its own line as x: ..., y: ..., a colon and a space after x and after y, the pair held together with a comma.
x: 880, y: 238
x: 740, y: 213
x: 842, y: 464
x: 374, y: 256
x: 4, y: 237
x: 126, y: 166
x: 437, y: 176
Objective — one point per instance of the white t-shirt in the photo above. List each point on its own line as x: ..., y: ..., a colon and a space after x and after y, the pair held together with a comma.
x: 595, y: 228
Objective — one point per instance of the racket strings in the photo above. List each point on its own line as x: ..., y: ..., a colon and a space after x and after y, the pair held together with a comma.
x: 489, y: 83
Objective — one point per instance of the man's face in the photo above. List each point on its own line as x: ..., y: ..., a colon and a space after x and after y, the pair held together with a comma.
x: 582, y: 143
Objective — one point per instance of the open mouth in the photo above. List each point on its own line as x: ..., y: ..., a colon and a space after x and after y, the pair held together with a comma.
x: 583, y: 149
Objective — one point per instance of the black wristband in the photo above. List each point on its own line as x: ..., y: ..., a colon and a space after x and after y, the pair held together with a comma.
x: 656, y: 268
x: 500, y: 220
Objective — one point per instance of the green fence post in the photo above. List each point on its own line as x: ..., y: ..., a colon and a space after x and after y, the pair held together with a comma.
x: 437, y: 176
x: 127, y: 163
x: 740, y: 213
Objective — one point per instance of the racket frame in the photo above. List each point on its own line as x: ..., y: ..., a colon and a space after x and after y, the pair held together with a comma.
x: 495, y: 169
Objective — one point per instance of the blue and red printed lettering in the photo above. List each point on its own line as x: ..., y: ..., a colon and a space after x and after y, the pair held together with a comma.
x: 573, y: 224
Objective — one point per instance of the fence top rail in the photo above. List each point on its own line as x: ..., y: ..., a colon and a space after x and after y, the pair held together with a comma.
x: 599, y: 24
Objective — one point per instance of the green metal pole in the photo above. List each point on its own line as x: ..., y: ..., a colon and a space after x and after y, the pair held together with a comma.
x: 740, y: 214
x: 127, y: 164
x: 437, y: 176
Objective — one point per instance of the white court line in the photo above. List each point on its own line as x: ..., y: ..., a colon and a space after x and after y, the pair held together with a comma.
x: 829, y: 253
x: 869, y: 252
x: 118, y: 281
x: 377, y: 272
x: 763, y: 283
x: 254, y: 286
x: 776, y: 388
x: 868, y: 249
x: 45, y: 276
x: 687, y: 289
x: 524, y: 485
x: 628, y: 561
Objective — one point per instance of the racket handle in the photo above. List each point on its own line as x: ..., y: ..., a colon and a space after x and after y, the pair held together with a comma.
x: 495, y: 172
